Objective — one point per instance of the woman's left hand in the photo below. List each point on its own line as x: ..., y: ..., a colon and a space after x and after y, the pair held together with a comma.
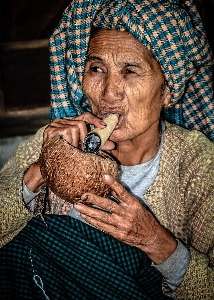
x: 129, y: 221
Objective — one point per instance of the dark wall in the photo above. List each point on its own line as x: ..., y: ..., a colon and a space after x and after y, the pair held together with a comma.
x: 206, y: 9
x: 22, y: 20
x: 26, y: 26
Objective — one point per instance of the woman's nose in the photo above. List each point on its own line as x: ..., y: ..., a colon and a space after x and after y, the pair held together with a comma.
x: 112, y: 88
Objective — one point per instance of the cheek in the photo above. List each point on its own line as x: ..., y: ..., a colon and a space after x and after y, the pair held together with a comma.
x: 144, y: 101
x: 92, y: 91
x: 138, y: 104
x: 88, y: 86
x: 143, y: 110
x: 144, y: 113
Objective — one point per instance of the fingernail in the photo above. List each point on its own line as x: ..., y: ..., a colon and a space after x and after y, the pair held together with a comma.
x: 105, y: 176
x: 86, y: 197
x: 103, y: 123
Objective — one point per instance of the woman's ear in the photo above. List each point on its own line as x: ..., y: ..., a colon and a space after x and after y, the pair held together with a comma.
x: 166, y: 96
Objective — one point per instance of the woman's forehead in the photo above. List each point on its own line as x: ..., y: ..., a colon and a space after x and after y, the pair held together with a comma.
x: 120, y: 44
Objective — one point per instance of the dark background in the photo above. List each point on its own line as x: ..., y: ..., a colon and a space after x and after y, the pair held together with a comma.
x: 25, y: 27
x: 24, y: 59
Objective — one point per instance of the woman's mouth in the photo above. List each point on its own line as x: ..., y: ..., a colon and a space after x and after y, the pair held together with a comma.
x: 120, y: 114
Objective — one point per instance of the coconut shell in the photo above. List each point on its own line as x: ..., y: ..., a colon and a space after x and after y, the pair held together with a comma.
x: 69, y: 172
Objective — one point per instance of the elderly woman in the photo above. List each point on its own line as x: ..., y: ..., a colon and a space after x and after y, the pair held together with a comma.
x: 146, y: 62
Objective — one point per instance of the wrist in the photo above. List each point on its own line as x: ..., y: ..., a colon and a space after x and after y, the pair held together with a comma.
x: 161, y: 247
x: 163, y: 251
x: 33, y: 178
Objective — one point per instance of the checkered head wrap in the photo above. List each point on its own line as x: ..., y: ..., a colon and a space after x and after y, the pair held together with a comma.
x: 170, y: 29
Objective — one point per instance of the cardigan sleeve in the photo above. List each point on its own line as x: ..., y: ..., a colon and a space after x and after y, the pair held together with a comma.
x: 198, y: 281
x: 14, y: 214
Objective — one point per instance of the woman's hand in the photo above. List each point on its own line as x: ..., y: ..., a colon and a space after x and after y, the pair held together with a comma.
x: 129, y: 222
x: 74, y: 130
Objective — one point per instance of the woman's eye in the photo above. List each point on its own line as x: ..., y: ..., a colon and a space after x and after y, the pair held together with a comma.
x: 129, y: 71
x: 95, y: 69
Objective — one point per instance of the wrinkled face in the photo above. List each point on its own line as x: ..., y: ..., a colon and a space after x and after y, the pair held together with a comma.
x: 121, y: 77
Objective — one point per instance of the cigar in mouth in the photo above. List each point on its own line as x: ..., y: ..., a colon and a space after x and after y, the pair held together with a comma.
x: 96, y: 138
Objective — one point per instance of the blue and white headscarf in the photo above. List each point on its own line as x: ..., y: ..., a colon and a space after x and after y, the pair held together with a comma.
x: 170, y: 29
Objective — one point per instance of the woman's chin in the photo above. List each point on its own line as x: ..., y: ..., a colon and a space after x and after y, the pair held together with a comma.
x: 118, y: 136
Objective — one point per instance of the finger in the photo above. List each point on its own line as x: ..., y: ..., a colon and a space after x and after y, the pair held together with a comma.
x: 71, y: 135
x: 120, y: 191
x: 74, y: 134
x: 91, y: 119
x: 81, y: 121
x: 69, y: 123
x: 104, y: 226
x: 110, y: 228
x: 108, y: 146
x: 103, y: 203
x: 94, y: 213
x: 71, y: 130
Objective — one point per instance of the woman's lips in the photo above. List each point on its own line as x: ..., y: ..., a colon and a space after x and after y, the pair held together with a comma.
x: 120, y: 114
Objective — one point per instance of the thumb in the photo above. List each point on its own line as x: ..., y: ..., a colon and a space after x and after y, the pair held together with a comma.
x: 108, y: 146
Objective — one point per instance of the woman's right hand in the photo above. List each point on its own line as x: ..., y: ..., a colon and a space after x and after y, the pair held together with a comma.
x: 73, y: 131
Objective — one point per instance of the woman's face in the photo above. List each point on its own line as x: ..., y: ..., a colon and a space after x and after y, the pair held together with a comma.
x: 121, y: 77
